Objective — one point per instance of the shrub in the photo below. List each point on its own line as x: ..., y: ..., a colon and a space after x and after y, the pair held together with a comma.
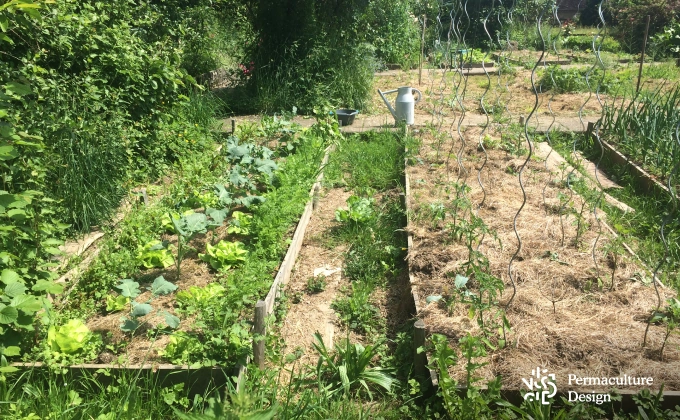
x: 629, y: 16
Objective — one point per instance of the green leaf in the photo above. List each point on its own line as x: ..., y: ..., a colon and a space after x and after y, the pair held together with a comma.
x: 8, y: 314
x: 460, y: 281
x: 129, y: 325
x: 18, y: 89
x: 171, y: 320
x: 141, y: 309
x: 26, y: 303
x: 433, y: 298
x: 115, y: 304
x: 17, y: 214
x: 11, y: 351
x: 129, y: 288
x: 161, y: 287
x: 15, y: 289
x: 68, y: 338
x: 10, y: 276
x: 47, y: 286
x: 8, y: 152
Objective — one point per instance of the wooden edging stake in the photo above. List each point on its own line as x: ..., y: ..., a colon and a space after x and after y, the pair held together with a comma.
x: 259, y: 332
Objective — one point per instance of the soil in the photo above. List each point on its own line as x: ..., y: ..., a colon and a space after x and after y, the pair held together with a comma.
x: 589, y: 330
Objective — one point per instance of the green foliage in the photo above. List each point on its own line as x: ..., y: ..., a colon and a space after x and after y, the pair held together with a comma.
x: 394, y: 32
x: 360, y: 210
x: 155, y: 254
x: 240, y: 223
x: 224, y: 255
x: 356, y: 310
x: 641, y: 129
x: 348, y: 368
x: 130, y: 290
x: 630, y: 18
x: 667, y: 42
x: 68, y: 338
x: 316, y: 284
x: 585, y: 43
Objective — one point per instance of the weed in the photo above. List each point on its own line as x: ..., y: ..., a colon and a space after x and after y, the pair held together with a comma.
x: 316, y: 284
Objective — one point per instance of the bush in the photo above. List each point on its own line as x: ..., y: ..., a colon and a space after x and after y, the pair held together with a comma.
x: 630, y: 18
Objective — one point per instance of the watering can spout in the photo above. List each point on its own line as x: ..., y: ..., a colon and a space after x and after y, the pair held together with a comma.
x: 389, y: 106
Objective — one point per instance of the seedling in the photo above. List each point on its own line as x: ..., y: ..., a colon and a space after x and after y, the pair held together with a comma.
x: 670, y: 317
x: 130, y: 290
x: 186, y: 227
x: 316, y: 284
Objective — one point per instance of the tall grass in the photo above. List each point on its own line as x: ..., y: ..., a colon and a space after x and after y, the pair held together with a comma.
x: 642, y: 128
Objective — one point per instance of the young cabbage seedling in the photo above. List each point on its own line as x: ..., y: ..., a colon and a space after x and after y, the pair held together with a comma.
x: 130, y: 290
x: 186, y: 227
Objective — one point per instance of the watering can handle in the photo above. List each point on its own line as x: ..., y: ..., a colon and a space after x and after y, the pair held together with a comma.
x: 420, y: 95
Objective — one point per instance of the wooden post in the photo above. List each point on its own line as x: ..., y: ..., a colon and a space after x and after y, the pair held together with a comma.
x: 145, y: 197
x: 521, y: 119
x: 315, y: 198
x: 259, y: 333
x: 419, y: 359
x: 590, y: 129
x: 233, y: 126
x: 422, y: 52
x: 642, y: 56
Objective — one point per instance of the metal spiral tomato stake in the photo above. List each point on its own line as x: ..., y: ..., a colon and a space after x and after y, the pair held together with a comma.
x: 666, y: 219
x: 486, y: 114
x: 596, y: 134
x: 526, y: 162
x: 550, y: 100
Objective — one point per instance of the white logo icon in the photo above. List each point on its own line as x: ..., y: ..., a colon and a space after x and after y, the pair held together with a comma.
x: 541, y: 385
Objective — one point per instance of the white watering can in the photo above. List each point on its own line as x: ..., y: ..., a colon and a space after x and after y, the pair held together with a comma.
x: 404, y: 105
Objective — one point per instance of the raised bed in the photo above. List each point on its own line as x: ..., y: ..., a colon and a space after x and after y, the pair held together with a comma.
x: 599, y: 337
x: 198, y: 378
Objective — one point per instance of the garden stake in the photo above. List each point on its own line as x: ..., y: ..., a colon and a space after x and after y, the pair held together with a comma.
x: 422, y: 52
x: 259, y: 333
x: 642, y: 56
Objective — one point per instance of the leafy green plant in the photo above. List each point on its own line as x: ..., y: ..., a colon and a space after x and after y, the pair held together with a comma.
x: 224, y: 255
x: 155, y: 254
x: 240, y: 223
x: 197, y: 296
x: 316, y: 284
x: 360, y: 210
x: 167, y: 218
x: 356, y: 310
x: 186, y: 227
x: 670, y: 317
x: 68, y: 338
x: 130, y: 290
x: 349, y: 367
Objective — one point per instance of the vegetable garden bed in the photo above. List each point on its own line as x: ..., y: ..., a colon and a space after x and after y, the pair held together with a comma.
x: 218, y: 251
x: 566, y: 314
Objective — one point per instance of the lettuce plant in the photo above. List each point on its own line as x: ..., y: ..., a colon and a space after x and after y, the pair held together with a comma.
x: 224, y: 255
x: 155, y: 254
x: 69, y: 338
x: 240, y: 223
x: 359, y: 210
